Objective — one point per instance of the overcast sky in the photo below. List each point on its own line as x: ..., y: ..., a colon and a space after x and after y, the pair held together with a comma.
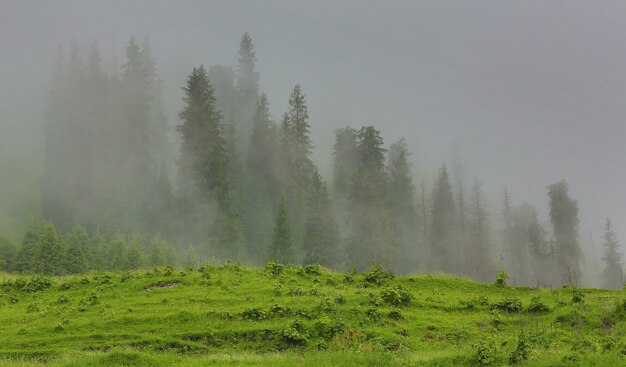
x: 534, y: 91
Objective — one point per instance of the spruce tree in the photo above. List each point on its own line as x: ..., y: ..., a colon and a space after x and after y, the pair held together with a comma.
x: 613, y: 271
x: 401, y: 196
x: 280, y: 249
x: 75, y: 261
x: 345, y: 161
x: 262, y: 188
x: 564, y: 218
x: 247, y: 86
x: 28, y: 254
x: 203, y: 164
x: 370, y: 240
x: 444, y: 249
x: 321, y: 233
x: 8, y: 252
x: 478, y: 259
x: 51, y: 252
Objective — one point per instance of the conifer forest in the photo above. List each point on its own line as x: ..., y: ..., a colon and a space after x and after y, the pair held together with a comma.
x: 298, y: 183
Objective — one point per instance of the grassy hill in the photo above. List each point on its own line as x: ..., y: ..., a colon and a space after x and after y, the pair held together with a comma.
x: 230, y: 315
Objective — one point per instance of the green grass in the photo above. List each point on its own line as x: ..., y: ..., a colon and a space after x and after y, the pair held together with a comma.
x: 236, y: 316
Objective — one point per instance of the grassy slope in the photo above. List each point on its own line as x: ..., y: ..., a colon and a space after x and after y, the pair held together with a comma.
x: 320, y: 320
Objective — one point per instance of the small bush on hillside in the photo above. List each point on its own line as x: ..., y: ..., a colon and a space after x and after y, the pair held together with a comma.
x: 278, y: 310
x: 349, y: 277
x: 378, y: 275
x: 255, y: 314
x: 521, y: 351
x: 537, y: 306
x: 508, y: 305
x: 395, y: 315
x: 501, y: 278
x: 274, y: 269
x: 577, y: 295
x: 396, y: 296
x: 294, y: 334
x: 484, y: 353
x: 313, y: 269
x: 33, y: 307
x: 63, y: 299
x: 340, y: 299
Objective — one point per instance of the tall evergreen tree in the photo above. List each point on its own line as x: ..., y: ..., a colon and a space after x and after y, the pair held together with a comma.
x: 346, y: 155
x: 403, y: 211
x: 613, y: 271
x: 281, y: 247
x: 262, y: 189
x: 478, y: 259
x: 51, y: 251
x: 8, y: 252
x: 77, y: 242
x: 247, y: 86
x: 203, y: 164
x: 564, y: 218
x: 321, y: 233
x: 370, y: 236
x: 444, y: 250
x: 27, y: 257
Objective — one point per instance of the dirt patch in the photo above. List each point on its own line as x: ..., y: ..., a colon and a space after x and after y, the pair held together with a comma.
x: 170, y: 284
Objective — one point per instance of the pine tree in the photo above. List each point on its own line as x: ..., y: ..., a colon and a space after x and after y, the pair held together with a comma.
x: 613, y: 271
x: 247, y: 86
x: 564, y: 218
x: 370, y: 239
x: 321, y: 233
x: 116, y: 253
x: 8, y: 252
x: 134, y: 256
x: 51, y: 251
x: 204, y: 162
x: 27, y: 257
x: 157, y: 252
x: 75, y: 261
x: 401, y: 193
x: 443, y: 225
x: 281, y: 246
x: 346, y: 154
x: 296, y: 143
x: 478, y: 260
x: 262, y: 189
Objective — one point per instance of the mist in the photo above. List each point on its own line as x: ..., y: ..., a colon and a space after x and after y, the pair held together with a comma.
x: 520, y: 96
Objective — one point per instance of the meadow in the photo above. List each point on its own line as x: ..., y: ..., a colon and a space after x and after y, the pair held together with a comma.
x: 232, y: 315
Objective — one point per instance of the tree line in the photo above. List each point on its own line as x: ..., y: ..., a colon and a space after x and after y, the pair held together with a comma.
x: 244, y: 186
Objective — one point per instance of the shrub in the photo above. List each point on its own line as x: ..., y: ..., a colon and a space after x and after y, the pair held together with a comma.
x: 255, y: 314
x: 340, y: 299
x: 395, y: 314
x: 278, y: 310
x: 501, y: 278
x: 294, y: 334
x: 396, y: 296
x: 313, y: 269
x: 274, y: 269
x: 521, y: 351
x: 33, y: 307
x: 508, y: 305
x: 537, y: 306
x: 63, y: 299
x: 577, y: 295
x: 378, y: 275
x: 485, y: 354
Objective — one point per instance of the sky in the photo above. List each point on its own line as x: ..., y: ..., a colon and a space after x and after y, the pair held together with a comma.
x: 530, y: 92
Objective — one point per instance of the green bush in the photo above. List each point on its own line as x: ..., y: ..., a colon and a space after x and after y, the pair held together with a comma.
x: 313, y: 269
x: 255, y: 314
x: 508, y: 305
x: 396, y: 296
x: 537, y: 306
x: 376, y: 274
x: 521, y: 351
x: 274, y: 269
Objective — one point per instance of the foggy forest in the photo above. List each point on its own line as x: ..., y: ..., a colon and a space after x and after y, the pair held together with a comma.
x: 312, y: 183
x: 125, y: 185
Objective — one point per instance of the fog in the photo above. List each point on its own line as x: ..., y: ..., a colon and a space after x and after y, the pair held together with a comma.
x: 518, y: 94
